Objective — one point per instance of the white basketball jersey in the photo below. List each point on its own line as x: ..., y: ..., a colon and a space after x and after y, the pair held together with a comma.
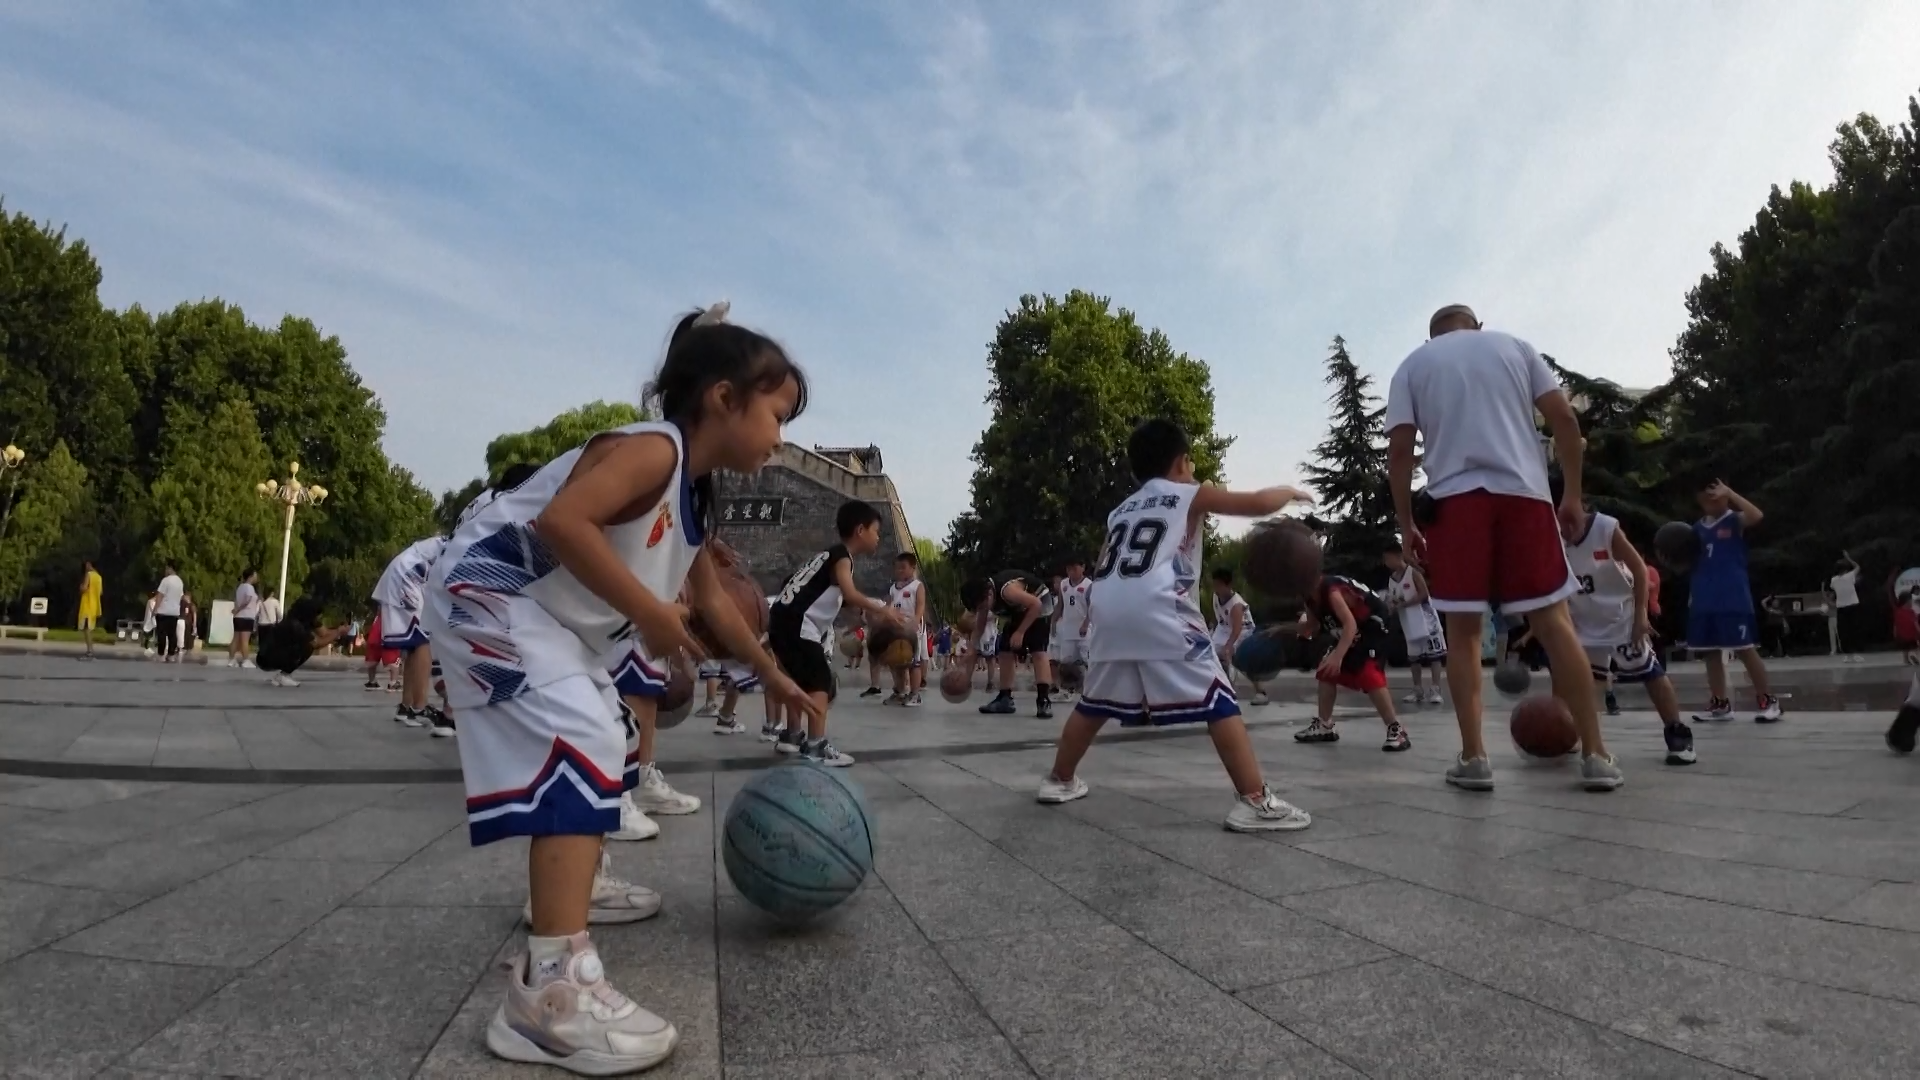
x: 905, y: 600
x: 1419, y: 622
x: 1074, y: 600
x: 1144, y: 584
x: 400, y: 583
x: 1223, y: 616
x: 1603, y: 608
x: 499, y: 590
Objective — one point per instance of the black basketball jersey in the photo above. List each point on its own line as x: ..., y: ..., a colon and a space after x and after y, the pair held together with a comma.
x: 1033, y: 583
x: 810, y: 601
x: 1369, y: 611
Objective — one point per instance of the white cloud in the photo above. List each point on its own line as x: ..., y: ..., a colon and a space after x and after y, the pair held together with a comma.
x: 529, y: 200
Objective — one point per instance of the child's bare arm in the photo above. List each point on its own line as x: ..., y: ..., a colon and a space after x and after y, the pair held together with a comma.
x: 843, y: 577
x: 1211, y: 499
x: 1629, y: 556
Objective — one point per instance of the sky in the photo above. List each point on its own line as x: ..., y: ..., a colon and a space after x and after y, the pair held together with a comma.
x: 500, y: 208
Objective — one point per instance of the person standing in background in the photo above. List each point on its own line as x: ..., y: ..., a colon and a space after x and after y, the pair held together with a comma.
x: 90, y: 589
x: 246, y: 610
x: 189, y: 623
x: 1845, y: 589
x: 166, y: 615
x: 269, y: 610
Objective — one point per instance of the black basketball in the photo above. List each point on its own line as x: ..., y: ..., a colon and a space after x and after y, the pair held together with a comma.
x: 1677, y: 546
x: 1282, y: 558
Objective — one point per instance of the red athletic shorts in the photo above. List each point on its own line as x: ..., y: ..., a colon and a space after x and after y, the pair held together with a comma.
x: 1503, y: 549
x: 1365, y: 679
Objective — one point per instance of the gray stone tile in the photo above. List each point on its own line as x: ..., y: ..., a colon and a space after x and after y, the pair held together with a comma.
x: 451, y: 872
x: 1100, y: 1002
x: 1735, y: 1018
x: 1840, y: 955
x: 1528, y: 890
x: 859, y: 980
x: 1247, y: 861
x: 150, y: 866
x: 312, y: 1009
x: 1798, y: 892
x: 1402, y: 1018
x: 68, y: 1015
x: 972, y: 1059
x: 20, y: 855
x: 32, y: 914
x: 372, y: 834
x: 1895, y: 906
x: 1410, y: 919
x: 147, y: 814
x: 955, y: 885
x: 232, y: 918
x: 1484, y: 836
x: 1234, y: 940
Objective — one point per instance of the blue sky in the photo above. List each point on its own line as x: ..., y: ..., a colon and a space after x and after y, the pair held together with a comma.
x: 500, y: 207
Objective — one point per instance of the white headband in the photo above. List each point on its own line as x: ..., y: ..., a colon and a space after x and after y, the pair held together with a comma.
x: 713, y: 315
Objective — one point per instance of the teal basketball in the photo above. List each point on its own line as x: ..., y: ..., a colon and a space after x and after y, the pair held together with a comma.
x: 796, y: 841
x: 1260, y: 656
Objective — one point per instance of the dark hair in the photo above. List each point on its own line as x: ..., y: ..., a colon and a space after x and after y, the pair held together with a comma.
x: 975, y: 592
x: 853, y: 516
x: 909, y: 558
x: 516, y: 474
x: 1223, y: 574
x: 1154, y: 446
x: 247, y: 573
x: 1390, y: 546
x: 269, y: 592
x: 1074, y: 560
x: 305, y: 611
x: 702, y: 357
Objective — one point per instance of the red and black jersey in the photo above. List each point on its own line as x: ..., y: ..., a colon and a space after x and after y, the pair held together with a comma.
x: 1368, y: 609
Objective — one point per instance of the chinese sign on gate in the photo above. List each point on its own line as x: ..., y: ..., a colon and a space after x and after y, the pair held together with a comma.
x: 752, y: 511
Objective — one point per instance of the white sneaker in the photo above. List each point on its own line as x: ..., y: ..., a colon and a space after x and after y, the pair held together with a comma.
x: 634, y: 823
x: 727, y: 725
x: 1266, y: 812
x: 615, y: 899
x: 577, y: 1022
x: 1259, y: 698
x: 231, y: 662
x: 1434, y: 698
x: 656, y: 796
x: 282, y: 679
x: 708, y: 711
x: 1411, y: 699
x: 1054, y: 792
x: 247, y: 662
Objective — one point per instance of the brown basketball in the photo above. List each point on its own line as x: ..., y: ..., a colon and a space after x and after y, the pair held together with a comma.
x: 747, y: 596
x: 1543, y: 728
x: 1070, y: 676
x: 891, y: 644
x: 679, y: 689
x: 1281, y: 558
x: 956, y: 685
x: 964, y: 623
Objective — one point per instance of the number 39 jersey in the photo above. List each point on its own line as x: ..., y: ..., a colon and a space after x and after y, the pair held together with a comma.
x: 1603, y: 608
x: 1146, y: 583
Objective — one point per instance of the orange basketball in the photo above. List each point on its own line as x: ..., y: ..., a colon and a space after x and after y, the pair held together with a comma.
x: 1543, y: 728
x: 747, y: 596
x: 964, y: 623
x: 956, y: 685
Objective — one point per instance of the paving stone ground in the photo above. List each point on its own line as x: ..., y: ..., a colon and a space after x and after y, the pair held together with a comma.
x: 1756, y: 914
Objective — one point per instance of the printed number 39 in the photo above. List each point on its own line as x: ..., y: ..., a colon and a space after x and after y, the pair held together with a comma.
x: 1140, y: 541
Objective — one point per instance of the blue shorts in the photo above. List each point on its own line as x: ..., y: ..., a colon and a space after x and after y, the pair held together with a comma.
x: 1708, y: 630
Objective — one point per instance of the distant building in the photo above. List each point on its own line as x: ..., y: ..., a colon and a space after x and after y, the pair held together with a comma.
x: 783, y: 514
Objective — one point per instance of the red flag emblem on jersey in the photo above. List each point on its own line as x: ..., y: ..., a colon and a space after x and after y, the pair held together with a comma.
x: 660, y: 526
x: 1601, y: 556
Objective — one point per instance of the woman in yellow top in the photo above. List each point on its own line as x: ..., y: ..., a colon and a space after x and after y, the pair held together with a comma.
x: 90, y: 589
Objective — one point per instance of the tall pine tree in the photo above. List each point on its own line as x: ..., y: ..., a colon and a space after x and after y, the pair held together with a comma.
x: 1349, y: 470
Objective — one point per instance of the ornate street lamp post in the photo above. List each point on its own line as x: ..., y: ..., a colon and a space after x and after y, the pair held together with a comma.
x: 10, y: 460
x: 292, y: 494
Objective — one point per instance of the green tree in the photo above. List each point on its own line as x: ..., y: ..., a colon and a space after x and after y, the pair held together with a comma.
x: 1624, y: 465
x: 942, y: 578
x: 1348, y: 472
x: 537, y: 446
x: 1069, y: 379
x: 52, y: 496
x: 205, y: 518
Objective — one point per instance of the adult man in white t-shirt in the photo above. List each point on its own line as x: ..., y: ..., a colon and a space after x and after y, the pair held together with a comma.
x: 1492, y: 535
x: 1845, y: 587
x: 166, y: 615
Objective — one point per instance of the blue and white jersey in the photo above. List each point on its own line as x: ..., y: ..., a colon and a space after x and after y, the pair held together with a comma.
x: 1719, y: 585
x: 507, y: 617
x: 401, y: 582
x: 1144, y: 586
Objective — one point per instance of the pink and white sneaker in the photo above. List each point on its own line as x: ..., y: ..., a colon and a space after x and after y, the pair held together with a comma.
x: 577, y: 1021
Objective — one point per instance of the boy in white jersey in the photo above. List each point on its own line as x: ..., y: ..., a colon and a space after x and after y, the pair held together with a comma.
x: 1420, y: 624
x: 398, y: 593
x: 907, y: 596
x: 1153, y: 662
x: 1073, y: 616
x: 1610, y: 615
x: 1231, y: 619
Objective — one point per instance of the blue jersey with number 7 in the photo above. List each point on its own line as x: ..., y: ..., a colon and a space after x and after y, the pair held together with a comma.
x: 1719, y: 584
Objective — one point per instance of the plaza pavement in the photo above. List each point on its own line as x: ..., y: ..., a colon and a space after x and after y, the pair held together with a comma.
x: 201, y: 875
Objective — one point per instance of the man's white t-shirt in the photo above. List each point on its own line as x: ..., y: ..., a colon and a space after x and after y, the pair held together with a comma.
x: 1846, y: 589
x: 171, y: 589
x: 1471, y: 394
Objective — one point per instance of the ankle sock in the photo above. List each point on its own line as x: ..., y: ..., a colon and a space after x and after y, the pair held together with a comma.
x: 546, y: 959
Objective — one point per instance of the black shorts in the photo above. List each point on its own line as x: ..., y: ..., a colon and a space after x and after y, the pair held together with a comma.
x: 805, y: 662
x: 1033, y: 641
x: 243, y: 626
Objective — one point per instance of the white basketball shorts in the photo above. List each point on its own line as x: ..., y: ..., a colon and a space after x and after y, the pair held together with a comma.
x: 1635, y: 662
x: 551, y: 761
x: 1070, y: 650
x: 1137, y: 692
x: 400, y: 629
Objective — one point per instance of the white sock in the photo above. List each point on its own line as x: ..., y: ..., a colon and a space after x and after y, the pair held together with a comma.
x: 547, y: 959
